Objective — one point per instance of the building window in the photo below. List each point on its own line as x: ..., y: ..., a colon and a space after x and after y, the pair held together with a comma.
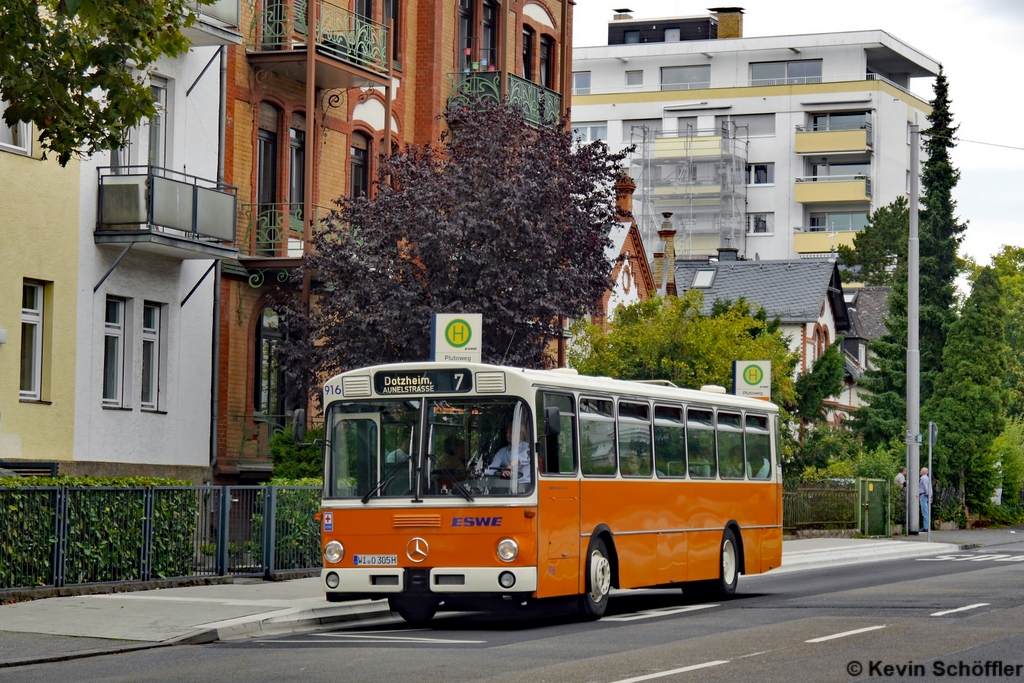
x: 845, y: 171
x: 391, y: 11
x: 31, y: 341
x: 528, y: 47
x: 703, y: 278
x: 113, y: 352
x: 151, y: 325
x: 488, y: 37
x: 16, y: 138
x: 786, y: 73
x: 760, y: 223
x: 269, y: 399
x: 839, y: 222
x: 297, y: 164
x: 843, y: 121
x: 580, y: 82
x: 547, y: 60
x: 359, y: 165
x: 672, y: 35
x: 591, y: 132
x: 634, y: 79
x: 466, y: 34
x: 747, y: 125
x: 629, y: 37
x: 685, y: 77
x: 364, y: 8
x: 156, y: 128
x: 761, y: 174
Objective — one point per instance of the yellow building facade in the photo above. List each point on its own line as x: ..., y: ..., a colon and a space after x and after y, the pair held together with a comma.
x: 39, y: 214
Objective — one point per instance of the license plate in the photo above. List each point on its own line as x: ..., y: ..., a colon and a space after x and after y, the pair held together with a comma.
x: 376, y: 560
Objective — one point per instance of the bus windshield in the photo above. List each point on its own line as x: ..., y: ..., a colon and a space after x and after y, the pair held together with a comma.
x: 405, y: 448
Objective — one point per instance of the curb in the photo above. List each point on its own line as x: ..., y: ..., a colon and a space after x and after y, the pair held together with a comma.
x: 21, y: 594
x: 84, y: 654
x: 875, y: 552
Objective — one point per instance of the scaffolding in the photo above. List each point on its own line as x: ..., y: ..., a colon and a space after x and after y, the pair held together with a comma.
x: 698, y: 175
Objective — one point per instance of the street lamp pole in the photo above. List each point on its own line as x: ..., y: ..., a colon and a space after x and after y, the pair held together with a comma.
x: 913, y: 344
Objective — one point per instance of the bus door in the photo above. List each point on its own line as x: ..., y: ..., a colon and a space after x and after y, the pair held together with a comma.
x: 558, y: 548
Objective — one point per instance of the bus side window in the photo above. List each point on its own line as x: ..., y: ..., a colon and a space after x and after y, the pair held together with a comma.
x: 700, y: 443
x: 730, y: 446
x: 558, y: 453
x: 597, y: 437
x: 634, y: 439
x: 669, y: 442
x: 759, y: 449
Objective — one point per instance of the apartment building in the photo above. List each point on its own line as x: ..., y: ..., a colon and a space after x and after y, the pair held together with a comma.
x: 309, y: 114
x: 777, y: 146
x: 113, y: 260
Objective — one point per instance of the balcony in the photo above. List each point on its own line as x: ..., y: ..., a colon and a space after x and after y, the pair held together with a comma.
x: 836, y: 188
x: 351, y: 50
x: 215, y: 24
x: 833, y: 141
x: 808, y: 242
x: 165, y: 212
x: 540, y: 105
x: 271, y: 235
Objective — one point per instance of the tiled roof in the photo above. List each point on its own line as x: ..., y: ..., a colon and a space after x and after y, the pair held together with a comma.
x: 868, y: 310
x: 791, y: 290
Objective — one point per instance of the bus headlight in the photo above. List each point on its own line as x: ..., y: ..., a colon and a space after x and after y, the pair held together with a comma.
x: 333, y: 580
x: 508, y: 550
x: 333, y: 552
x: 506, y: 580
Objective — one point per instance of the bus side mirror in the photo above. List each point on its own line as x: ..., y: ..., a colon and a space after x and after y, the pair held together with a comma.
x: 298, y: 425
x: 552, y: 421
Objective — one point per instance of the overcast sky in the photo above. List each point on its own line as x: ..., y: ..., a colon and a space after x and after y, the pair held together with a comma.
x: 977, y: 41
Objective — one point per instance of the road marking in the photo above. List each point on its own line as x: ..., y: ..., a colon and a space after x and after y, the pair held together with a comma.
x: 378, y: 638
x: 671, y: 672
x: 844, y: 634
x: 972, y: 558
x: 663, y: 612
x: 960, y: 609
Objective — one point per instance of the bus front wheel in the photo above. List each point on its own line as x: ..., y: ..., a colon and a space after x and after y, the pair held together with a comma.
x: 594, y: 602
x: 413, y: 610
x: 729, y: 575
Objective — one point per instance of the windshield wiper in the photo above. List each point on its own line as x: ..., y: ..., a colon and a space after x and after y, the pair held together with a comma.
x: 388, y: 476
x: 463, y: 491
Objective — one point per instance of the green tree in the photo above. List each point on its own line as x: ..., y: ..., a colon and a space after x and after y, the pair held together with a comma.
x: 76, y: 68
x: 882, y: 246
x: 297, y: 460
x: 1009, y: 264
x: 670, y: 338
x: 941, y: 233
x: 823, y: 381
x: 1008, y: 449
x: 969, y: 399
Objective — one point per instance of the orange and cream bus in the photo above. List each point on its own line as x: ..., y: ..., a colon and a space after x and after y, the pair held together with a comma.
x: 452, y: 486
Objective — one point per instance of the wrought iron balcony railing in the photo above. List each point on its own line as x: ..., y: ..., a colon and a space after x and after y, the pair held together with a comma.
x: 540, y: 105
x: 274, y: 230
x: 280, y: 25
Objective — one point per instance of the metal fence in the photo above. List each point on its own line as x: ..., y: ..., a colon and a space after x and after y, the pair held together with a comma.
x: 822, y: 507
x: 62, y: 536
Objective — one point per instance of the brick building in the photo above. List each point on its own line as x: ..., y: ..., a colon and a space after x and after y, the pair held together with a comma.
x: 302, y: 133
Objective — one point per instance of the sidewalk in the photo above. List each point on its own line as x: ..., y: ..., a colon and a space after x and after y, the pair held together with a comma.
x: 55, y: 629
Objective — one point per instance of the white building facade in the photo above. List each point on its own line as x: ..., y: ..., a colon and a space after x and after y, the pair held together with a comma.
x: 154, y: 222
x: 777, y: 146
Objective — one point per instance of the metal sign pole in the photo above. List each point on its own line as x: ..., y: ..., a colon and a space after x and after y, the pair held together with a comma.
x: 933, y: 437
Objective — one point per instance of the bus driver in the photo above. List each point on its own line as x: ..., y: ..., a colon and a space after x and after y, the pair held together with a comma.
x: 503, y: 457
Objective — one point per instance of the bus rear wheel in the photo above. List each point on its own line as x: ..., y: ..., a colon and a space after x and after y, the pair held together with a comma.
x: 413, y: 610
x: 594, y: 602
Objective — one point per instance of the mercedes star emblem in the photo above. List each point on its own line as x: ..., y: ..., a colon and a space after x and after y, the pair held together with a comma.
x: 417, y: 550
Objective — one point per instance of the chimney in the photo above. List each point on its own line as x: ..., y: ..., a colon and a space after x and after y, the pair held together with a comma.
x: 624, y: 187
x: 668, y: 234
x: 623, y: 14
x: 730, y: 21
x: 658, y: 268
x: 728, y: 254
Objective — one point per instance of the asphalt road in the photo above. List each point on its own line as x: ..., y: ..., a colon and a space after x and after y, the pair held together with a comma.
x: 840, y: 624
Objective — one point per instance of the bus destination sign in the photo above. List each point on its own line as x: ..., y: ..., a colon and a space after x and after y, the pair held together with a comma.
x: 424, y: 382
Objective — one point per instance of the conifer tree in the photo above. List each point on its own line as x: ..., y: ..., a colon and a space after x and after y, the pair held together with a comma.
x: 941, y: 233
x: 881, y: 247
x: 969, y: 399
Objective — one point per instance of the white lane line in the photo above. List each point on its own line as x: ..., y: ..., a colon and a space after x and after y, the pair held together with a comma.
x: 358, y: 637
x: 651, y: 613
x: 960, y: 609
x: 671, y: 672
x: 844, y: 634
x: 334, y: 634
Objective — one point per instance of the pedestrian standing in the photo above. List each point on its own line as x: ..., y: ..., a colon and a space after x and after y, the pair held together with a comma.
x: 901, y: 478
x: 924, y: 488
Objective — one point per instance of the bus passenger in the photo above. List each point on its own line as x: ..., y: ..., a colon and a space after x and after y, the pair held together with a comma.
x: 503, y: 458
x: 453, y: 459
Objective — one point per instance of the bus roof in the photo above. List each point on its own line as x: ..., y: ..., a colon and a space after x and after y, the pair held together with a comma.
x: 567, y: 379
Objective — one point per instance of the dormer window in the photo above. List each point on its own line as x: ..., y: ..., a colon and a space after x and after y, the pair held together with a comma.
x: 703, y: 278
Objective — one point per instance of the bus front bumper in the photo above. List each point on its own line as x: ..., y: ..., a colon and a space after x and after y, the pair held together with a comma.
x: 385, y: 581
